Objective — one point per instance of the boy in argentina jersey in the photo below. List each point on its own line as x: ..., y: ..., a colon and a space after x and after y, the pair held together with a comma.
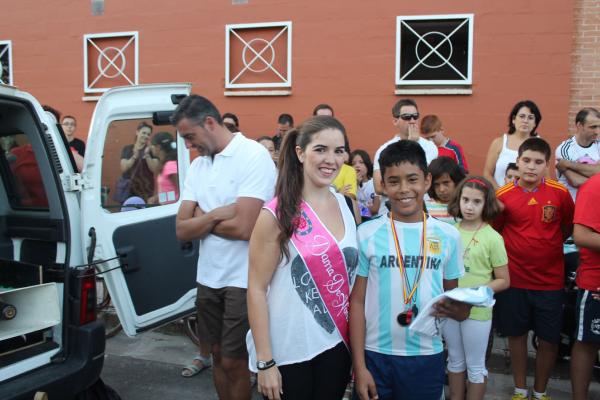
x: 400, y: 270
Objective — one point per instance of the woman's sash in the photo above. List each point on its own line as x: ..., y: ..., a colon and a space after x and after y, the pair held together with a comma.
x: 325, y: 262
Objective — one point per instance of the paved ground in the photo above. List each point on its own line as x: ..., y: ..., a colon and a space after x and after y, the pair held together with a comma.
x: 148, y: 368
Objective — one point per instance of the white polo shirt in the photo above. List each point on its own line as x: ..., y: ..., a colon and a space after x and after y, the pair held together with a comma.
x: 243, y: 169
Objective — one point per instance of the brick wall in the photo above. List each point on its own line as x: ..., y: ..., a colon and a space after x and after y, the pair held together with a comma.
x: 585, y: 76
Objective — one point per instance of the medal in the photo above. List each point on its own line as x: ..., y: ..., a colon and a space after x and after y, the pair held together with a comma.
x: 406, y: 318
x: 409, y: 291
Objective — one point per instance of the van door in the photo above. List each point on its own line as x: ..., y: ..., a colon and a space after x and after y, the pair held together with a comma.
x: 129, y: 201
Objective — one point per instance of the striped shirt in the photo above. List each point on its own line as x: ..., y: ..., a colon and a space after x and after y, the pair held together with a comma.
x: 384, y: 299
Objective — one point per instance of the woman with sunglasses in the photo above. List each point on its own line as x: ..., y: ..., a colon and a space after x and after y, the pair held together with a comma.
x: 523, y: 121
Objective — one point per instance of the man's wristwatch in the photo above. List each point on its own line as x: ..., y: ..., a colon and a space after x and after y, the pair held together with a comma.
x: 262, y: 365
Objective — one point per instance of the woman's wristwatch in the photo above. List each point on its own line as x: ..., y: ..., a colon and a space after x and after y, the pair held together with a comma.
x: 263, y: 365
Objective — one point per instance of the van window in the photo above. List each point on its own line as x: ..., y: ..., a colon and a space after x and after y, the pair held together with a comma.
x: 139, y: 166
x: 21, y: 173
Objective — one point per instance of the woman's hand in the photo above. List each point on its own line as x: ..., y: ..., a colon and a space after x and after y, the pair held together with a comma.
x: 364, y: 384
x: 270, y: 384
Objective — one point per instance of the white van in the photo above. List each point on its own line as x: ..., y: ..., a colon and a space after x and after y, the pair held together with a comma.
x: 59, y: 227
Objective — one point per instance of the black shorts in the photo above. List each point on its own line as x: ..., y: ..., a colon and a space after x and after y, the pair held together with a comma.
x: 518, y: 311
x: 587, y: 317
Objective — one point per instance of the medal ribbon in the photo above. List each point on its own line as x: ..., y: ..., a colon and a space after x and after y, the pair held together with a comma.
x: 408, y: 290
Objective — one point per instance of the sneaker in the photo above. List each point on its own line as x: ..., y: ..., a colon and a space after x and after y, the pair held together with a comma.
x: 544, y: 397
x: 519, y: 396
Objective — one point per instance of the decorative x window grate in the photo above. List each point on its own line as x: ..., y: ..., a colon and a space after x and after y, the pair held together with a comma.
x: 110, y: 59
x: 434, y: 50
x: 6, y: 71
x: 258, y: 55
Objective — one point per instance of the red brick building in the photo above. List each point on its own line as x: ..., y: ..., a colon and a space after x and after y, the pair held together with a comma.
x: 355, y: 56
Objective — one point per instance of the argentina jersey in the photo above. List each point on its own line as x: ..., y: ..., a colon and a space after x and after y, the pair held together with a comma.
x: 384, y: 299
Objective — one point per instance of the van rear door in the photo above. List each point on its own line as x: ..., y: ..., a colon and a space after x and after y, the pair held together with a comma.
x: 128, y: 217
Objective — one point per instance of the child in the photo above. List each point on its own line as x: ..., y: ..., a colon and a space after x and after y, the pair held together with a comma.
x: 512, y: 173
x: 445, y: 175
x: 485, y: 264
x: 368, y: 200
x: 407, y: 258
x: 537, y: 218
x: 432, y: 129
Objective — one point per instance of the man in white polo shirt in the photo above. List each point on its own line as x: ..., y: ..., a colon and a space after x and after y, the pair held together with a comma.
x: 406, y: 120
x: 224, y: 191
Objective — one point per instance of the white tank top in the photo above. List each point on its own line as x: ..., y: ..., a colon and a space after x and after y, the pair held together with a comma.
x: 299, y: 326
x: 505, y: 157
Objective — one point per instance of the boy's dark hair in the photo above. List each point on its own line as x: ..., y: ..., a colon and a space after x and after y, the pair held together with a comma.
x: 490, y: 204
x: 536, y: 144
x: 286, y: 119
x: 323, y: 107
x: 402, y: 151
x: 366, y: 160
x: 512, y: 166
x: 401, y: 103
x: 233, y: 117
x: 441, y: 166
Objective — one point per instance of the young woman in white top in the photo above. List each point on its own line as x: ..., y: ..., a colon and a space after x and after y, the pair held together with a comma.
x: 523, y: 121
x: 303, y: 255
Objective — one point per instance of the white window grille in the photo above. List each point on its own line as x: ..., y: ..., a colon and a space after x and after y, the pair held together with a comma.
x: 110, y: 59
x: 6, y: 70
x: 434, y: 50
x: 258, y: 55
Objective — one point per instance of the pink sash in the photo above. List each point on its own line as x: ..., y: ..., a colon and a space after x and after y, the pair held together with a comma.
x: 326, y: 263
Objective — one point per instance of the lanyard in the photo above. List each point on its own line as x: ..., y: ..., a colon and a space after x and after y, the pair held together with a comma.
x: 408, y: 290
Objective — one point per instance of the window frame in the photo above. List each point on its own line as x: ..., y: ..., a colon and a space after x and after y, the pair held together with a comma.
x: 8, y: 43
x: 89, y: 37
x: 439, y: 82
x: 284, y: 25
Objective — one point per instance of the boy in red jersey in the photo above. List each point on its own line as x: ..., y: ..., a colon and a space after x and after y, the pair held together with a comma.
x: 587, y: 332
x: 537, y: 218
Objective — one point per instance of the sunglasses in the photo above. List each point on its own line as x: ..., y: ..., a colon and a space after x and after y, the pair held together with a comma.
x: 408, y: 117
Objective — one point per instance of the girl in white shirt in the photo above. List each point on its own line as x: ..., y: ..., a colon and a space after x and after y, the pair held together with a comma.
x: 368, y: 200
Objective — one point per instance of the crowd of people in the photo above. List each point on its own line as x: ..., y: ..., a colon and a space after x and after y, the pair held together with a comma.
x: 291, y: 289
x: 316, y: 259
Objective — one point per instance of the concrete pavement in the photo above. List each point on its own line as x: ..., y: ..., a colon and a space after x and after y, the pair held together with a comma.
x: 148, y: 367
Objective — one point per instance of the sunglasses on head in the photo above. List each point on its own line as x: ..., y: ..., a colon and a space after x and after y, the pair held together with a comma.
x: 408, y: 117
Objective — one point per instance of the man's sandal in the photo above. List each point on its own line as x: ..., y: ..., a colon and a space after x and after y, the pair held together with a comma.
x: 197, y: 365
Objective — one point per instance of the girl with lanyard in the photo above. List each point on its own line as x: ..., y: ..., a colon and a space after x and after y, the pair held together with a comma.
x: 303, y: 257
x: 485, y: 262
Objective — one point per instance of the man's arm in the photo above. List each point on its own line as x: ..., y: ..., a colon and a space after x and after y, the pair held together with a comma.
x: 575, y: 179
x: 192, y: 223
x: 586, y: 237
x: 240, y: 225
x: 377, y: 182
x: 587, y: 170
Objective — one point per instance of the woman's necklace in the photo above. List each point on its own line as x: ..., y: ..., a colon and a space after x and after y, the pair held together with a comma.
x: 466, y: 251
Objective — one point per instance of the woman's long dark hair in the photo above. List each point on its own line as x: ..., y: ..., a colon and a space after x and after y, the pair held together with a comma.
x: 290, y: 180
x: 515, y: 110
x: 166, y: 143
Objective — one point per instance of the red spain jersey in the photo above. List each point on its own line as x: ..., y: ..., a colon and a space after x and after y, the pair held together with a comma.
x: 531, y: 225
x: 587, y: 212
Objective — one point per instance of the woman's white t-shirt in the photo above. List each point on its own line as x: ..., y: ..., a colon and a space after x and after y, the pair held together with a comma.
x: 299, y: 325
